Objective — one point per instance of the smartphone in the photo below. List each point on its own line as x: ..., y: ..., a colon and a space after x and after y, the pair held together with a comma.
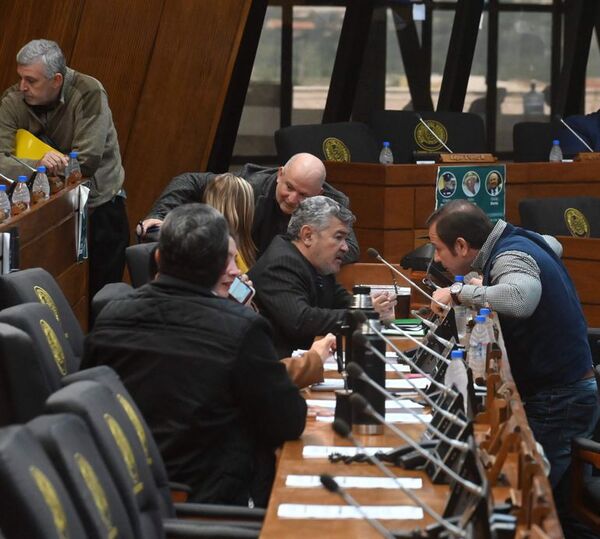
x: 240, y: 291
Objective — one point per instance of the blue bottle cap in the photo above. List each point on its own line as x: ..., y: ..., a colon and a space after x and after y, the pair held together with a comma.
x: 42, y: 169
x: 484, y: 311
x: 459, y: 278
x: 386, y: 144
x: 22, y: 178
x: 73, y: 155
x: 556, y: 141
x: 2, y: 187
x: 456, y: 354
x: 480, y: 319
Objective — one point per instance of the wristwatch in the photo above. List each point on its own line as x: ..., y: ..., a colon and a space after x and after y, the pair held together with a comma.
x: 455, y: 291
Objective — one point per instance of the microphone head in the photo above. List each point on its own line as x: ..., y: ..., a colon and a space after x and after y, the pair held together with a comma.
x: 354, y: 369
x: 373, y: 253
x: 341, y: 427
x: 359, y: 316
x: 329, y: 483
x: 359, y: 403
x: 359, y: 339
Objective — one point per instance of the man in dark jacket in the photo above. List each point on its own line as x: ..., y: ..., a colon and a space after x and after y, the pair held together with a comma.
x: 295, y: 279
x: 277, y: 193
x: 202, y: 368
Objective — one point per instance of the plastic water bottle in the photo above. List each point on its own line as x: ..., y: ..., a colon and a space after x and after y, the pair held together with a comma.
x: 489, y: 324
x: 21, y: 199
x: 41, y: 188
x: 477, y: 351
x: 4, y: 204
x: 556, y: 154
x: 385, y: 156
x: 73, y: 170
x: 461, y: 313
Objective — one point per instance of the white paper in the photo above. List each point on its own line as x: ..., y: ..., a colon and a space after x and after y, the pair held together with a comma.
x: 379, y: 512
x: 418, y: 12
x: 5, y: 242
x: 405, y: 419
x: 313, y: 481
x: 389, y: 404
x: 323, y: 451
x: 331, y: 384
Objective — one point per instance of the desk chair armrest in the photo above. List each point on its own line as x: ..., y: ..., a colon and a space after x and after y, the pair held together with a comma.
x: 229, y: 512
x: 586, y: 450
x: 174, y: 528
x: 180, y: 492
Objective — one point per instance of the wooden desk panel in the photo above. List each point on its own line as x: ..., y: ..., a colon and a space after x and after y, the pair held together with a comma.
x: 47, y: 240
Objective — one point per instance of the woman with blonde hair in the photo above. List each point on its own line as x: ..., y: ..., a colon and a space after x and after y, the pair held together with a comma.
x: 234, y: 198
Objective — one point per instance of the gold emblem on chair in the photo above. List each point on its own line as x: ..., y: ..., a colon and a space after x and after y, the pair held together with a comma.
x: 137, y: 425
x: 57, y: 352
x: 425, y: 140
x: 46, y: 299
x: 52, y: 500
x: 577, y: 223
x: 126, y: 452
x: 335, y: 150
x: 98, y: 495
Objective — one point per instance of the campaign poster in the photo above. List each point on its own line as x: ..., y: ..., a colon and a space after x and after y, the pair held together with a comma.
x: 483, y: 185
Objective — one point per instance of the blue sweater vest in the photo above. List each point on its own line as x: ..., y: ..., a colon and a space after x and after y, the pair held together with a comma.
x: 550, y: 348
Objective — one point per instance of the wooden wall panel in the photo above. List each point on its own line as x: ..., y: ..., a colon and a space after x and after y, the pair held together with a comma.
x: 179, y: 109
x: 114, y: 44
x: 24, y: 20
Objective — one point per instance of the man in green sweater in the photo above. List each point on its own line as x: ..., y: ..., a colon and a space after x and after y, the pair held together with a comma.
x: 69, y: 111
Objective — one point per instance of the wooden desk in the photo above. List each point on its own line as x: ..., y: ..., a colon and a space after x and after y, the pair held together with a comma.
x: 47, y: 240
x: 507, y: 449
x: 582, y: 258
x: 392, y: 202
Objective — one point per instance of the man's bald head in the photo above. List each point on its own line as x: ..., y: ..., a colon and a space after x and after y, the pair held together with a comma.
x: 301, y: 177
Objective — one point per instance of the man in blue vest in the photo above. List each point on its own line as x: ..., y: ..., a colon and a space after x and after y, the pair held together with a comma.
x: 524, y: 281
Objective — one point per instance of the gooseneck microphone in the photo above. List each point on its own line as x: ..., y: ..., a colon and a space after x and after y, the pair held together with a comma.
x: 362, y: 405
x: 432, y: 326
x: 8, y: 154
x: 342, y: 429
x: 7, y: 178
x: 359, y: 339
x: 356, y: 370
x: 375, y: 254
x: 332, y: 486
x: 559, y: 117
x: 420, y: 118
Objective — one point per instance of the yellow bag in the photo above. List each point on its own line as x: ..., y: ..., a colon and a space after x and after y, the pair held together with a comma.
x: 28, y: 146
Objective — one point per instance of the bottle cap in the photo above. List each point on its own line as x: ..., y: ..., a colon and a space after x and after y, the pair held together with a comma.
x: 484, y: 311
x: 480, y: 319
x: 22, y: 178
x: 386, y: 144
x: 556, y: 142
x: 2, y: 187
x: 459, y: 278
x: 456, y: 354
x: 73, y: 155
x: 42, y: 169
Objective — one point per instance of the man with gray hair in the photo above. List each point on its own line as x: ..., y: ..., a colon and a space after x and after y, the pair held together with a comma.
x: 201, y: 367
x: 69, y: 111
x: 295, y: 278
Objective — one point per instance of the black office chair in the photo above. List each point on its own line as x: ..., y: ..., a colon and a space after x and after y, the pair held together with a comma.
x: 38, y: 285
x: 140, y: 263
x: 70, y: 446
x: 34, y: 358
x: 462, y: 132
x: 344, y: 141
x: 119, y: 442
x: 532, y: 141
x: 104, y: 296
x: 35, y: 502
x: 563, y: 216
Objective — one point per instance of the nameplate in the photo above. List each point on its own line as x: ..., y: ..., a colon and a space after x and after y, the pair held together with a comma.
x: 467, y: 158
x: 588, y: 156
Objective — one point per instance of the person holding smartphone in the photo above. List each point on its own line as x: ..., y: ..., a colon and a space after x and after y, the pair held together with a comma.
x: 304, y: 370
